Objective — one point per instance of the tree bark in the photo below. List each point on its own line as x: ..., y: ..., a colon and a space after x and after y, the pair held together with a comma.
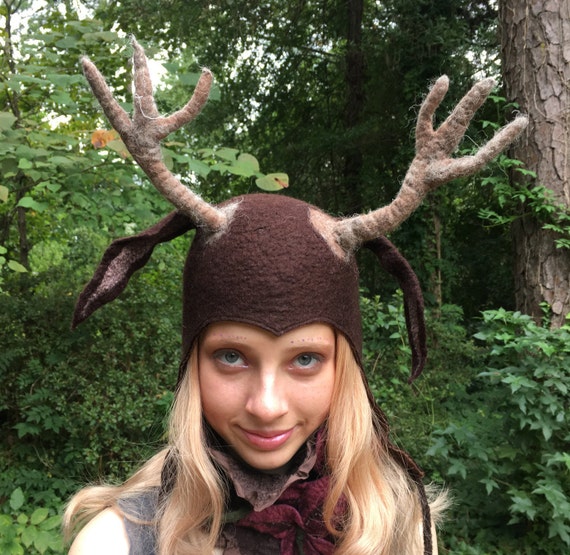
x: 436, y: 280
x: 354, y: 106
x: 535, y: 44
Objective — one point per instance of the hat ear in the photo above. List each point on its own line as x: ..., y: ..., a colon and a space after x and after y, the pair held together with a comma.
x: 122, y: 259
x: 394, y: 263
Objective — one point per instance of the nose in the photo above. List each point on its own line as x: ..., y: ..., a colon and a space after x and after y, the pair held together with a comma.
x: 267, y: 399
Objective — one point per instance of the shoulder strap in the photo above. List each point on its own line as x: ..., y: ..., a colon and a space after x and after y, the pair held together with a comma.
x: 139, y: 519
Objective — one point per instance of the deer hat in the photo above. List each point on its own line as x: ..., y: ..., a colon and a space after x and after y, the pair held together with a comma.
x: 270, y: 260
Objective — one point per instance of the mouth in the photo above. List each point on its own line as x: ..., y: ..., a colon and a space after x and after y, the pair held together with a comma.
x: 267, y: 440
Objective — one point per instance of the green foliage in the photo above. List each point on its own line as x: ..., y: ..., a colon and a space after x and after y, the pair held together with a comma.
x: 505, y: 451
x: 27, y: 530
x: 516, y: 202
x: 414, y: 410
x: 48, y: 176
x: 517, y: 195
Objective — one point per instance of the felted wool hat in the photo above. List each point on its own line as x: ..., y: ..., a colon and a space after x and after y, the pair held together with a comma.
x: 270, y: 260
x: 270, y: 268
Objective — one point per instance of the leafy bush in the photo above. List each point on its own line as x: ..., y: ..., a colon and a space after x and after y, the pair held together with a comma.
x: 505, y: 451
x: 414, y: 410
x: 28, y: 530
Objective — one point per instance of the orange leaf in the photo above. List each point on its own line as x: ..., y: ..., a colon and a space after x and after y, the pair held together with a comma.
x: 101, y: 137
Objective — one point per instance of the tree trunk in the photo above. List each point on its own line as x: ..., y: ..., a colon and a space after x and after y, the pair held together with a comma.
x: 436, y: 280
x: 536, y: 66
x: 352, y: 117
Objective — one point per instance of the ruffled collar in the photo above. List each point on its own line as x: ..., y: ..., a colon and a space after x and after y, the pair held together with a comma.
x: 286, y: 506
x: 262, y: 489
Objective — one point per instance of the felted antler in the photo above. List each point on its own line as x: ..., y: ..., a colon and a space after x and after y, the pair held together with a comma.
x: 142, y: 134
x: 432, y: 165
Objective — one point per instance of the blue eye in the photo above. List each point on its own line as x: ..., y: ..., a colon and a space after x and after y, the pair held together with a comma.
x: 231, y: 358
x: 307, y: 360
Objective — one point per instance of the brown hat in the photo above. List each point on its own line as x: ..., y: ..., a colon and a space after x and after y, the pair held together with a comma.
x: 270, y: 268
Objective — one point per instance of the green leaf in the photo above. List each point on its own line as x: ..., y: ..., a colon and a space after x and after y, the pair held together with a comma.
x: 51, y: 523
x: 62, y: 161
x: 188, y: 79
x: 63, y: 98
x: 199, y: 167
x: 229, y: 154
x: 39, y: 515
x: 457, y: 467
x: 7, y: 119
x: 64, y: 80
x: 43, y: 541
x: 12, y: 548
x: 53, y: 187
x: 29, y: 535
x: 215, y: 93
x: 490, y: 485
x: 273, y: 182
x: 29, y: 202
x: 219, y: 167
x: 16, y: 267
x: 206, y: 152
x: 171, y: 67
x: 25, y: 164
x: 240, y: 170
x: 245, y: 165
x: 4, y: 192
x: 66, y: 43
x: 17, y: 498
x: 249, y: 161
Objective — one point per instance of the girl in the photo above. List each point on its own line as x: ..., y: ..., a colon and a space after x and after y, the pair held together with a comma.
x: 276, y: 444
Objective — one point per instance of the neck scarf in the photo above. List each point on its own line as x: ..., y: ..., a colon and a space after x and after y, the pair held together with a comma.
x: 287, y: 506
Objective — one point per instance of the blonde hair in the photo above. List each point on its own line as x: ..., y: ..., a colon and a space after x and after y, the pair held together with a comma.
x: 383, y: 512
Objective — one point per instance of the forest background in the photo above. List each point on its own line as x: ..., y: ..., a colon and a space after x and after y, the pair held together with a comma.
x: 326, y: 92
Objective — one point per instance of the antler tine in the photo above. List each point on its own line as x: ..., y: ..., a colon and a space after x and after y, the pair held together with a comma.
x: 424, y: 125
x: 145, y: 106
x: 467, y: 165
x: 117, y: 116
x: 432, y: 166
x: 143, y: 134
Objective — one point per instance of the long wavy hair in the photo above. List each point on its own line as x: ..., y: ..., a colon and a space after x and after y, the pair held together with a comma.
x: 383, y: 514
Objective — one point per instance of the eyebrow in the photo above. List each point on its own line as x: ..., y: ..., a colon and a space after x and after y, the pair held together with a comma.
x: 309, y: 340
x: 228, y: 336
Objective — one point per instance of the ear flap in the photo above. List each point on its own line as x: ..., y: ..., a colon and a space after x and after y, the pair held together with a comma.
x: 394, y: 263
x: 122, y: 259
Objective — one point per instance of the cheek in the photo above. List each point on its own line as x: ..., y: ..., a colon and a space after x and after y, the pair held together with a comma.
x: 217, y: 398
x: 317, y: 402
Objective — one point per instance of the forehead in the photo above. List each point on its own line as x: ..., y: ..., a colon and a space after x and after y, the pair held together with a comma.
x: 245, y: 333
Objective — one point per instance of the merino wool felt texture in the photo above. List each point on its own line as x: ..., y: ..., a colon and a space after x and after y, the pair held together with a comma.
x: 271, y: 269
x: 121, y: 260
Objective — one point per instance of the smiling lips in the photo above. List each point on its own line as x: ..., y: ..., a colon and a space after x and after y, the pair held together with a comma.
x: 267, y: 441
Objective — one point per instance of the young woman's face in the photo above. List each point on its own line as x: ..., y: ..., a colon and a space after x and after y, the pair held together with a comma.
x: 265, y: 395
